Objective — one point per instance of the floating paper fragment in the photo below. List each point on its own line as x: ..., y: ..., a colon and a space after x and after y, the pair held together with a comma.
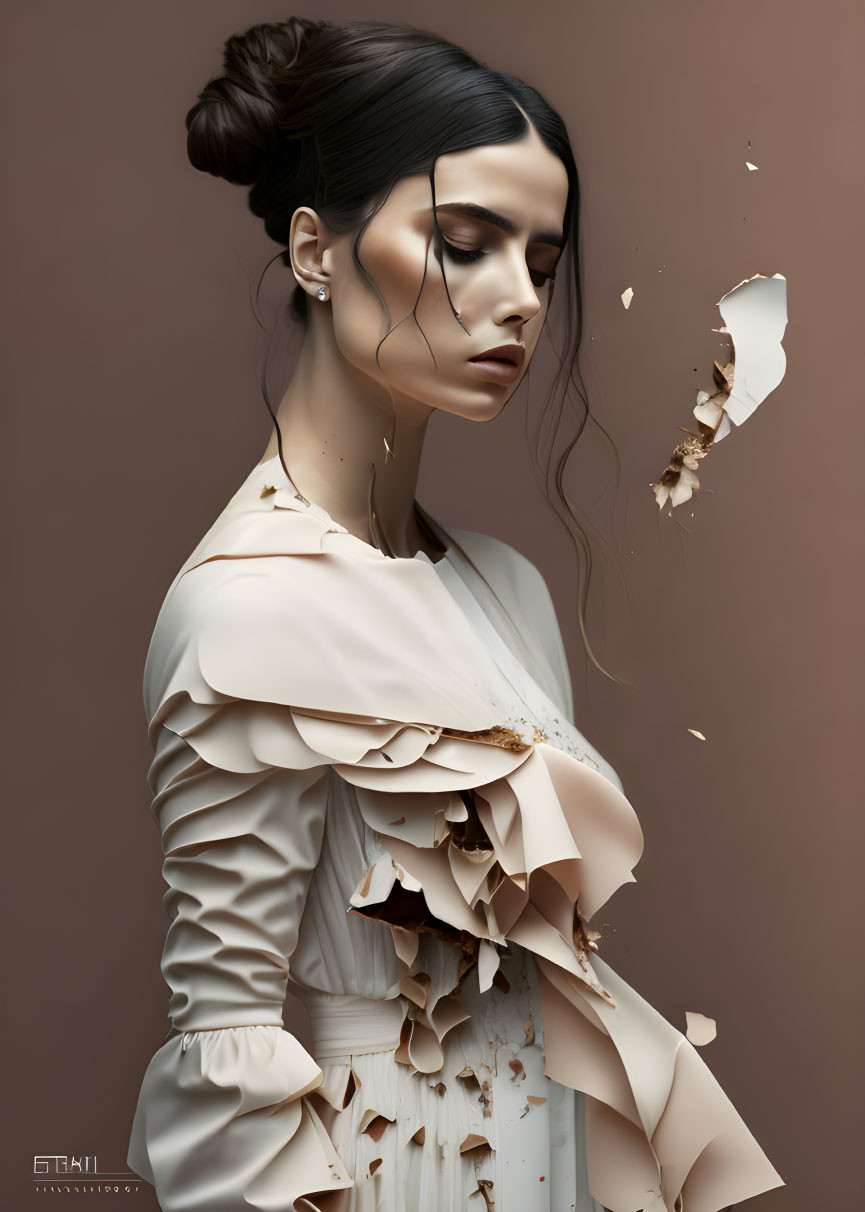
x: 697, y: 734
x: 752, y: 168
x: 627, y: 295
x: 701, y: 1029
x: 755, y: 316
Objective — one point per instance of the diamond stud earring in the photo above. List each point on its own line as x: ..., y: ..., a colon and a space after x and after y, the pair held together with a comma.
x: 322, y: 293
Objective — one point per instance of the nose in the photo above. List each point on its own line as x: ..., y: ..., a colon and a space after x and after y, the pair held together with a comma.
x: 519, y: 299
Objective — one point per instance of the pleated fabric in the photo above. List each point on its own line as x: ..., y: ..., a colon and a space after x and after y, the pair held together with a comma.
x: 369, y: 785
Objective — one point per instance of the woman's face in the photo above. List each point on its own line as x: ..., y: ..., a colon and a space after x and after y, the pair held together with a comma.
x: 500, y: 208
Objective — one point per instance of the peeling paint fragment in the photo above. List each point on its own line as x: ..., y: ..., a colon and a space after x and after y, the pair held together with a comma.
x: 440, y: 1088
x: 376, y: 1127
x: 751, y: 167
x: 485, y: 1188
x: 755, y: 316
x: 476, y: 1145
x: 405, y: 944
x: 504, y: 738
x: 351, y: 1087
x: 626, y: 297
x: 420, y: 1136
x: 701, y: 1029
x: 364, y: 888
x: 585, y: 937
x: 755, y: 313
x: 519, y: 1071
x: 401, y: 821
x: 535, y: 1099
x: 374, y: 1165
x: 488, y: 965
x: 416, y: 988
x: 501, y: 982
x: 697, y: 734
x: 529, y: 1028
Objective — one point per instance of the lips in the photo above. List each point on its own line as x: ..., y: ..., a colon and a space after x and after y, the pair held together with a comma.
x: 512, y: 355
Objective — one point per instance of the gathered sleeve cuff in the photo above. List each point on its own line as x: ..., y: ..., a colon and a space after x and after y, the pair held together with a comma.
x: 224, y: 1124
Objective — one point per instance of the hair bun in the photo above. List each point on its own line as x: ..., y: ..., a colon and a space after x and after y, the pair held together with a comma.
x: 232, y: 129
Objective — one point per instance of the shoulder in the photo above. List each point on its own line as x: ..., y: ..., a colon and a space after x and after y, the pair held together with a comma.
x: 510, y: 573
x: 337, y: 627
x: 521, y: 588
x: 499, y: 559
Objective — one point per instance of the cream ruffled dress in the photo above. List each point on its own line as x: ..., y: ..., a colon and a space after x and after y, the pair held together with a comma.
x: 370, y: 791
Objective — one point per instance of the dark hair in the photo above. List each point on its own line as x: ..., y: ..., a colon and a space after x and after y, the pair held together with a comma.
x: 330, y: 116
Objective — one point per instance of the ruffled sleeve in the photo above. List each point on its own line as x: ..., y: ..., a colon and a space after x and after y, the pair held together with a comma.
x: 223, y: 1121
x: 227, y: 1118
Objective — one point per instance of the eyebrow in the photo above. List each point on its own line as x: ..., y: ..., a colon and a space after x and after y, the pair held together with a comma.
x: 472, y: 210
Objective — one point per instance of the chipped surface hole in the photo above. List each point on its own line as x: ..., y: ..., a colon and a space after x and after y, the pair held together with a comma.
x: 376, y: 1127
x: 475, y: 1146
x: 485, y: 1189
x: 519, y: 1071
x: 469, y: 1077
x: 529, y: 1028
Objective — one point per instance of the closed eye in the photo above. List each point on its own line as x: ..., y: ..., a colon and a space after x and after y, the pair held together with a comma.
x: 466, y: 255
x: 462, y: 254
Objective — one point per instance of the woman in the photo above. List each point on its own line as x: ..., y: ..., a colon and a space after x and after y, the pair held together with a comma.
x: 366, y: 775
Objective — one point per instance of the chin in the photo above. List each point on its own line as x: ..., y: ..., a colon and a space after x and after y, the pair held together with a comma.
x: 475, y: 410
x: 484, y: 407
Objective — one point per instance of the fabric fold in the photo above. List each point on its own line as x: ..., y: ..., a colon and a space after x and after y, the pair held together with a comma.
x: 225, y: 1120
x: 292, y: 647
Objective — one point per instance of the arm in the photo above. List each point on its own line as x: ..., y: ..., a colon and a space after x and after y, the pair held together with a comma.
x: 223, y: 1123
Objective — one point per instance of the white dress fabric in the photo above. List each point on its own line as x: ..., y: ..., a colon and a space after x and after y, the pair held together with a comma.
x: 370, y: 791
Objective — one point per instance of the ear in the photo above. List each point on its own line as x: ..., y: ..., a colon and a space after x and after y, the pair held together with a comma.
x: 308, y: 241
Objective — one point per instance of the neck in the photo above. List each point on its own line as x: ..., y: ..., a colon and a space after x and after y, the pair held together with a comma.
x: 334, y: 421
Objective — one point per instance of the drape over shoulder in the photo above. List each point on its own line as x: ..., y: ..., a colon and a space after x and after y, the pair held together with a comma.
x: 288, y: 653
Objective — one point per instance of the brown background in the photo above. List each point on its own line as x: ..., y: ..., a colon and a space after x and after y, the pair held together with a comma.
x: 133, y: 412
